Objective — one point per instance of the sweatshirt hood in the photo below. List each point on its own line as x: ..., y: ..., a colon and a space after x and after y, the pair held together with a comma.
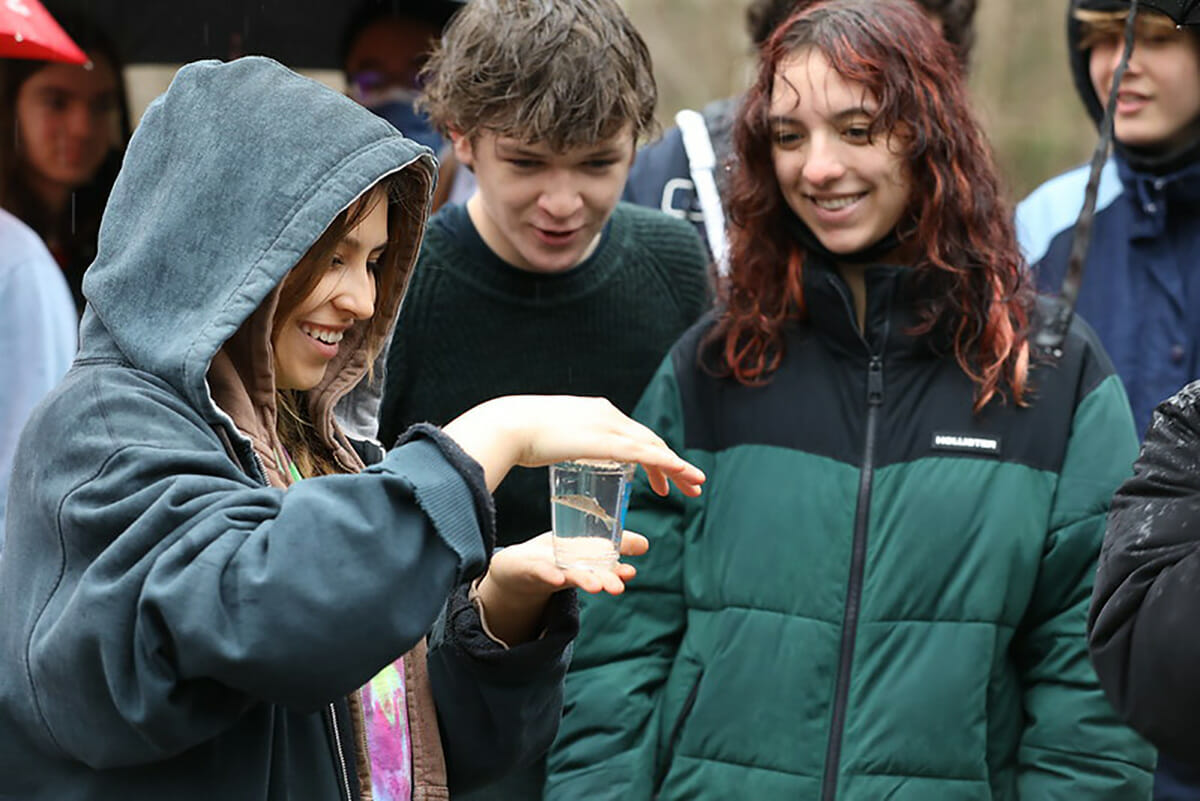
x: 232, y: 175
x: 1142, y: 160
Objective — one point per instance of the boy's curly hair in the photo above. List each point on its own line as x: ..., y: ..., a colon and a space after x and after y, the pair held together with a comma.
x: 564, y: 73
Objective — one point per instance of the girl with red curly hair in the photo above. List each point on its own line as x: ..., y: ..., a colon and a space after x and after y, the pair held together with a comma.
x: 882, y: 593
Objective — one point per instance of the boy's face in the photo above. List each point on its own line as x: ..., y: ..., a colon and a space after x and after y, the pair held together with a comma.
x: 1159, y: 97
x: 539, y: 210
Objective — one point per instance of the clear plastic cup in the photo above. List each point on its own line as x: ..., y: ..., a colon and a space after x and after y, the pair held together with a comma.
x: 588, y: 501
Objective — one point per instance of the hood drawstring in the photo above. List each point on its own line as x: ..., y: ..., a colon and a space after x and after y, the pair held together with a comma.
x: 1051, y: 334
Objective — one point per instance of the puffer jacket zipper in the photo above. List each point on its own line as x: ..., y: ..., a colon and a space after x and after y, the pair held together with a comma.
x: 858, y: 558
x: 341, y: 754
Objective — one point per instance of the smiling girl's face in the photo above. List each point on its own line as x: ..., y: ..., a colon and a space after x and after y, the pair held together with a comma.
x: 849, y: 188
x: 309, y: 336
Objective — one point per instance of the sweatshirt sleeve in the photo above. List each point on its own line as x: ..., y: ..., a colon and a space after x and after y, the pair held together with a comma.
x: 169, y: 592
x: 1074, y: 745
x: 1146, y: 602
x: 608, y: 740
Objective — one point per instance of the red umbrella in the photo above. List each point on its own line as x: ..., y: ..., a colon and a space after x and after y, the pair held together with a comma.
x: 28, y: 31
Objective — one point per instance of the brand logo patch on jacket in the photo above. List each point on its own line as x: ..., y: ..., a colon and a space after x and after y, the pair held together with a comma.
x: 966, y: 443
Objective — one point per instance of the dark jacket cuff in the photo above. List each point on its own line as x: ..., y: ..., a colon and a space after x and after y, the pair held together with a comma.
x: 559, y: 626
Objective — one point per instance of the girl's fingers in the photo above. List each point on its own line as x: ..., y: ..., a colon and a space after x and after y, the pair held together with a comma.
x: 633, y: 544
x: 658, y: 482
x: 550, y: 574
x: 613, y: 584
x: 585, y: 580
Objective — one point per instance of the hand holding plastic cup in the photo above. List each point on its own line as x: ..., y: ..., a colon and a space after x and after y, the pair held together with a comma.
x: 588, y: 501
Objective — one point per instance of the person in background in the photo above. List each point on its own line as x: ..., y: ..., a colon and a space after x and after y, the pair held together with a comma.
x: 882, y: 592
x: 383, y: 50
x: 542, y: 282
x: 661, y: 177
x: 1140, y: 288
x: 205, y: 592
x: 38, y: 337
x: 384, y: 47
x: 63, y: 129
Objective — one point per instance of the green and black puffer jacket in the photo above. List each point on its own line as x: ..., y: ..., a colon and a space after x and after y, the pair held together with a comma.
x: 880, y: 595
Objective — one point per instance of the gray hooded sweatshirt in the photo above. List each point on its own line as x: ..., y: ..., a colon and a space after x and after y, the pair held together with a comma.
x: 173, y: 622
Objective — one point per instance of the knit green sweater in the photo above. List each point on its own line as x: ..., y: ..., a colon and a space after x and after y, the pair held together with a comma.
x: 474, y: 327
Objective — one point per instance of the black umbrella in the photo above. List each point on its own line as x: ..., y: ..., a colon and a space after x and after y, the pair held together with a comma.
x: 1053, y: 330
x: 303, y: 34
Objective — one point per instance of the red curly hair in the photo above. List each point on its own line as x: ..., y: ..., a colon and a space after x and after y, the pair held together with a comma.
x: 968, y: 275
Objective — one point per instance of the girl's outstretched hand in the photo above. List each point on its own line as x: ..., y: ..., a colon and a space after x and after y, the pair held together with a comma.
x: 536, y: 430
x: 521, y: 579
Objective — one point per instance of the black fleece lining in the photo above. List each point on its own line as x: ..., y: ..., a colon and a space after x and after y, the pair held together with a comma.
x: 559, y: 624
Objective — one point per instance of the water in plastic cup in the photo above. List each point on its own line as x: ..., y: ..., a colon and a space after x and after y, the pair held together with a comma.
x: 588, y: 502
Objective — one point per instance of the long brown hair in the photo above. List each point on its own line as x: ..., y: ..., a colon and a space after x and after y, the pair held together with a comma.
x: 294, y: 425
x: 968, y: 274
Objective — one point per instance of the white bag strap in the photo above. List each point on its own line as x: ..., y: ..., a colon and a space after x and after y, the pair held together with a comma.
x: 703, y: 162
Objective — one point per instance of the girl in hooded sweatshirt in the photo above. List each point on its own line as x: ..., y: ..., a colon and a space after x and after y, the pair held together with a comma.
x: 882, y: 593
x: 204, y: 594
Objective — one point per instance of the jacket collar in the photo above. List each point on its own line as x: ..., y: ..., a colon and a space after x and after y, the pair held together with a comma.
x: 1153, y: 195
x: 889, y: 310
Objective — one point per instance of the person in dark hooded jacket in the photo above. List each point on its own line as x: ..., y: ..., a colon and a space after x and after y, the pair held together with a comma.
x: 1140, y: 288
x: 1146, y: 604
x: 1139, y: 291
x: 204, y: 592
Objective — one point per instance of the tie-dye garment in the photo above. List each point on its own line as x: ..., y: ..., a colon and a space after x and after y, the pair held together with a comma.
x: 388, y: 743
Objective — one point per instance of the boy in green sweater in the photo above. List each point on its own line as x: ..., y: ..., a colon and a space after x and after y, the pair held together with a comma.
x: 541, y: 283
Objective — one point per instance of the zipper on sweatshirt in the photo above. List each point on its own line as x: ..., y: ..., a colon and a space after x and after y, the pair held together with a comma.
x: 331, y: 711
x: 341, y: 754
x: 858, y: 558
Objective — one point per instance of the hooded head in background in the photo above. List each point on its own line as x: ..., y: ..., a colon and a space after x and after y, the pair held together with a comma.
x: 1157, y: 120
